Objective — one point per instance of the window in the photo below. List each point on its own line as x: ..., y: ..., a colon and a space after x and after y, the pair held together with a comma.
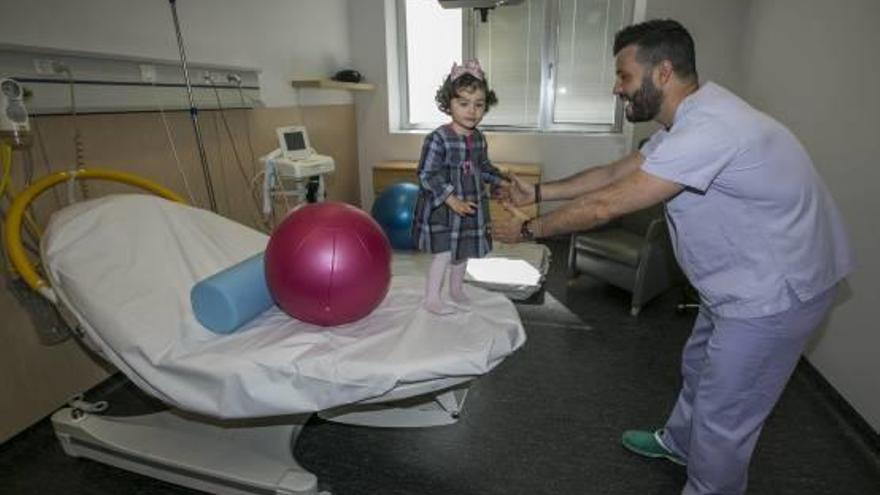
x: 549, y: 61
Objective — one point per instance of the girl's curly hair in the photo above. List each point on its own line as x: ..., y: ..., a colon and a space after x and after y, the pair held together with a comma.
x: 450, y: 89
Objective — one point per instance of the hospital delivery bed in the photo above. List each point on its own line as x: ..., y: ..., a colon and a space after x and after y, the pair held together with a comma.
x: 120, y: 268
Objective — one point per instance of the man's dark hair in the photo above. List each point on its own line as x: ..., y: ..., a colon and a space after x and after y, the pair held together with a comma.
x: 658, y: 40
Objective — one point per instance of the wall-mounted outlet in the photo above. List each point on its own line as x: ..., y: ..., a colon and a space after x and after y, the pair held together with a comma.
x: 213, y: 77
x: 148, y: 73
x: 44, y: 66
x: 48, y: 66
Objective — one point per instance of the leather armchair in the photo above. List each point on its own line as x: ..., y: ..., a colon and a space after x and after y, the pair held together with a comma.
x: 633, y: 252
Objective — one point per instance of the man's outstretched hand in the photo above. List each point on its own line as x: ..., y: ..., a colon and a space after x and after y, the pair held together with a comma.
x: 509, y: 230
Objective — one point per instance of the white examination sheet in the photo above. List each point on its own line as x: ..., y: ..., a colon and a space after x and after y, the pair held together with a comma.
x: 125, y: 265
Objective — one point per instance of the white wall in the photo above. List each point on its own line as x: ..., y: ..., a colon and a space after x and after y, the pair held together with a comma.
x: 717, y: 29
x: 812, y: 64
x: 285, y: 39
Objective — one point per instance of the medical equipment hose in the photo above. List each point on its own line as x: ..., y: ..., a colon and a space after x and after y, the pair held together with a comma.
x: 238, y: 162
x: 6, y: 158
x: 13, y: 222
x: 7, y: 190
x: 250, y: 142
x: 186, y: 186
x: 78, y: 146
x: 46, y: 162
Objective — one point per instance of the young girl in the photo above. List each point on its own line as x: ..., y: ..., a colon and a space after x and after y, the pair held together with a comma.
x: 451, y: 217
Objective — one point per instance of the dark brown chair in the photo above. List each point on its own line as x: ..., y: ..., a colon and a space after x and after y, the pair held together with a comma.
x: 633, y: 252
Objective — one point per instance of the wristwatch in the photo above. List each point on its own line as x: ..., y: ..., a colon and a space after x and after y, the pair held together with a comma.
x: 525, y: 232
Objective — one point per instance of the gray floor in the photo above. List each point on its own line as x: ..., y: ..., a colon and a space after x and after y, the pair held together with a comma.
x: 546, y: 421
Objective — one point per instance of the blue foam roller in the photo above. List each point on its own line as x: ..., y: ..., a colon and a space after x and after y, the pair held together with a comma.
x: 227, y: 300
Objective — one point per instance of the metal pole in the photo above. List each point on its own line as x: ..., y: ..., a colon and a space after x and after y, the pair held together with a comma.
x: 193, y: 111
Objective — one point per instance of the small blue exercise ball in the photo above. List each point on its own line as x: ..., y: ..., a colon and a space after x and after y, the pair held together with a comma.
x: 393, y: 210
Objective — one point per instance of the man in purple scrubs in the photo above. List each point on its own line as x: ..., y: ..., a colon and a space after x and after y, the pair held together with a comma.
x: 754, y: 229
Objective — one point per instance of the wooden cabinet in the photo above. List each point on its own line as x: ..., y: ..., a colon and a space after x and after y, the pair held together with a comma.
x: 392, y: 172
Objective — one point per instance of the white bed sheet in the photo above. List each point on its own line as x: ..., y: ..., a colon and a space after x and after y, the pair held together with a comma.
x: 125, y: 265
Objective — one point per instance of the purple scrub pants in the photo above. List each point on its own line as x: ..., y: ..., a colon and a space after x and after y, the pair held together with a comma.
x: 734, y: 371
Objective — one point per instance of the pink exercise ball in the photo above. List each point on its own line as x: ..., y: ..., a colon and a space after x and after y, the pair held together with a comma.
x: 328, y: 263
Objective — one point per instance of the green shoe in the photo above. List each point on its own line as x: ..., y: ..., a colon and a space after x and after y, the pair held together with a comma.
x: 648, y: 444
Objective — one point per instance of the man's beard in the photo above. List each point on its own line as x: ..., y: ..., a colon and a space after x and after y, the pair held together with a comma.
x: 645, y: 102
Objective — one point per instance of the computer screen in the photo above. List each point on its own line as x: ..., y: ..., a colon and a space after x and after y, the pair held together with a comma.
x: 294, y: 142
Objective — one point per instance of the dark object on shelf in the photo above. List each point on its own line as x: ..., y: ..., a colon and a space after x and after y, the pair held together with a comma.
x: 348, y: 75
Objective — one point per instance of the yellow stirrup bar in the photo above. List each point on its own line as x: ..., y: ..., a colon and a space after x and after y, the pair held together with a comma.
x: 14, y: 246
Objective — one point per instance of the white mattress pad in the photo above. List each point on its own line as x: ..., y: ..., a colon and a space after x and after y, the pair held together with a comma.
x: 125, y: 264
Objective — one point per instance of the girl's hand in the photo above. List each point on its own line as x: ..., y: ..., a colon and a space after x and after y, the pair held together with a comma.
x: 501, y: 191
x: 517, y: 191
x: 460, y: 206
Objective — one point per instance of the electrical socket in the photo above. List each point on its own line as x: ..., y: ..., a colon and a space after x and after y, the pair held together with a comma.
x: 220, y: 77
x: 148, y: 73
x: 48, y: 66
x: 44, y: 66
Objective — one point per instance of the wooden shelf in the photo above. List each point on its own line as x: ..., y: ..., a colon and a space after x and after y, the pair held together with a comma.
x: 331, y: 84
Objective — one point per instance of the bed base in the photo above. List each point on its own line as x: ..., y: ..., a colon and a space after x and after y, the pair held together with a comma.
x: 216, y: 458
x: 231, y: 457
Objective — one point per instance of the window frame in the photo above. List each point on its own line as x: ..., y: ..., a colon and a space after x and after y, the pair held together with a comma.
x: 549, y: 62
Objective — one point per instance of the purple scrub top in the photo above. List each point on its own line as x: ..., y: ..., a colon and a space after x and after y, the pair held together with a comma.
x: 755, y: 225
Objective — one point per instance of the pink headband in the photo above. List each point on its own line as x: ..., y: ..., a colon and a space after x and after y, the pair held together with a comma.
x: 471, y: 67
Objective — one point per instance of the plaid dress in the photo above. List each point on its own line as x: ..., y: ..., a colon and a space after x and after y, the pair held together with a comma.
x: 459, y: 165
